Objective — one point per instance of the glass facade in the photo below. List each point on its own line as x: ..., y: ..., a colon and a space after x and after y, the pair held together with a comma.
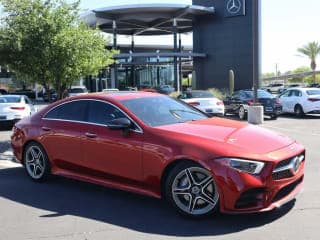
x: 145, y: 72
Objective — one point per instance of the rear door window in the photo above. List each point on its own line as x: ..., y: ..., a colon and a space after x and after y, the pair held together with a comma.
x: 72, y: 111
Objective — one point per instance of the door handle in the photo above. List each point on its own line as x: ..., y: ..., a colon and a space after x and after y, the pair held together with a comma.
x: 46, y: 129
x: 91, y: 135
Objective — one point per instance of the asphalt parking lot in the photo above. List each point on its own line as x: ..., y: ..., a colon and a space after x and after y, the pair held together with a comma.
x: 67, y: 209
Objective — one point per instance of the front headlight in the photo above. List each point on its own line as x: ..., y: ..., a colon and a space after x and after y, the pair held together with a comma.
x: 249, y: 166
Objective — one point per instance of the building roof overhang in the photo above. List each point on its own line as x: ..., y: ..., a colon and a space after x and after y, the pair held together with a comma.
x: 146, y: 19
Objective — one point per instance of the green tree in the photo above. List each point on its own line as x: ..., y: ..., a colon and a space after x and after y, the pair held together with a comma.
x: 311, y: 50
x: 47, y: 42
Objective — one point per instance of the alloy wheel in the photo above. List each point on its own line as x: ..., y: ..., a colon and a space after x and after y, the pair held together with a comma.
x: 35, y: 162
x: 194, y: 191
x: 242, y: 113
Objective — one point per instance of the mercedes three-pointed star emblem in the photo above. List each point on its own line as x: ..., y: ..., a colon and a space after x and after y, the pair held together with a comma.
x: 233, y: 6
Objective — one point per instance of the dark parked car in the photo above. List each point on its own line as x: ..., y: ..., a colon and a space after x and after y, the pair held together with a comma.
x: 240, y: 101
x: 314, y: 85
x: 27, y: 92
x: 165, y: 89
x: 3, y: 91
x: 53, y: 96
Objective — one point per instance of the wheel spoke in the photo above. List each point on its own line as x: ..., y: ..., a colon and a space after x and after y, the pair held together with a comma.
x: 190, y: 177
x: 207, y: 199
x: 34, y: 170
x: 33, y: 153
x: 39, y: 155
x: 40, y: 167
x: 192, y: 204
x: 206, y: 182
x: 30, y: 160
x: 182, y: 191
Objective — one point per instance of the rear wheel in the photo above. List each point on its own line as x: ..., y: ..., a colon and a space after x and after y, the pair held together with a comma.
x: 274, y: 116
x: 298, y: 111
x: 36, y: 162
x: 192, y: 190
x: 242, y: 113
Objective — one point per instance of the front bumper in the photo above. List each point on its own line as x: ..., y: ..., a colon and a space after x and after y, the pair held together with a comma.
x: 241, y: 192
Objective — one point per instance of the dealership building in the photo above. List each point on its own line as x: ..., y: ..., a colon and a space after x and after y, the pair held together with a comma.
x: 226, y: 36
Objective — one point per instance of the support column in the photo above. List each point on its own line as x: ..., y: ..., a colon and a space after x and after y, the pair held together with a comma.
x: 180, y: 63
x: 132, y: 81
x: 115, y: 84
x: 175, y: 62
x: 158, y: 68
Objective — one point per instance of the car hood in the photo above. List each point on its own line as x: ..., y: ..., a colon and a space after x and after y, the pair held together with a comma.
x: 228, y: 136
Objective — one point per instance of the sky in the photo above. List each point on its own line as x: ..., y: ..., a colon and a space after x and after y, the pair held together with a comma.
x: 286, y: 26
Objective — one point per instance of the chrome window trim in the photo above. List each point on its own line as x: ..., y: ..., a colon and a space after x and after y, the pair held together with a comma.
x: 139, y: 130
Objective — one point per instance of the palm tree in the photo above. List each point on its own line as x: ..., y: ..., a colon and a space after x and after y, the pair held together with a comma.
x: 311, y: 50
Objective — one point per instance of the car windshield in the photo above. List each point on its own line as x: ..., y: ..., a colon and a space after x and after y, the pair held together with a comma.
x: 197, y: 94
x: 10, y: 99
x: 158, y: 111
x: 313, y: 92
x: 261, y: 94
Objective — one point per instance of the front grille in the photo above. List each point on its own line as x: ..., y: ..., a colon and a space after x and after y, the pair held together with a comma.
x: 283, y: 163
x: 250, y: 198
x: 282, y: 175
x: 283, y: 192
x: 286, y: 168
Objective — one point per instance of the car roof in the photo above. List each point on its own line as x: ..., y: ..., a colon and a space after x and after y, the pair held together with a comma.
x: 117, y: 96
x: 302, y: 88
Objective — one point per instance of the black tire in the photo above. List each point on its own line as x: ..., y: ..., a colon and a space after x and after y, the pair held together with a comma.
x: 274, y: 116
x: 242, y: 113
x: 298, y: 111
x: 36, y: 162
x: 192, y: 190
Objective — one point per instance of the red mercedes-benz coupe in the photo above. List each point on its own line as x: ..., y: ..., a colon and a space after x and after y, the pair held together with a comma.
x: 152, y: 144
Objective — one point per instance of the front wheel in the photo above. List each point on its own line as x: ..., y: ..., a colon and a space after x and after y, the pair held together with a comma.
x: 192, y: 190
x: 36, y: 162
x: 242, y: 113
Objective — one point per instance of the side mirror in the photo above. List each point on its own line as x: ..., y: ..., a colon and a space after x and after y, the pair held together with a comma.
x: 120, y: 124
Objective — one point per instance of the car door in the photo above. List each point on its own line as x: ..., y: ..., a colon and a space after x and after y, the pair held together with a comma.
x: 62, y: 130
x: 110, y: 153
x: 285, y: 100
x: 293, y: 99
x: 297, y: 98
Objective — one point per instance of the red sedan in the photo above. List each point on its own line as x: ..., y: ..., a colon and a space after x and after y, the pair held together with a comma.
x: 151, y: 144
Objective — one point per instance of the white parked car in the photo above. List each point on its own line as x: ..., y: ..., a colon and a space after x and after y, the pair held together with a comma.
x: 77, y: 90
x: 300, y: 101
x: 204, y: 101
x: 15, y: 107
x: 275, y: 88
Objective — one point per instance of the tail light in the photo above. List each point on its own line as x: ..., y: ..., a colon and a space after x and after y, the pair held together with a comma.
x: 313, y: 99
x: 219, y: 103
x: 278, y: 101
x: 194, y: 103
x: 18, y: 108
x: 250, y: 102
